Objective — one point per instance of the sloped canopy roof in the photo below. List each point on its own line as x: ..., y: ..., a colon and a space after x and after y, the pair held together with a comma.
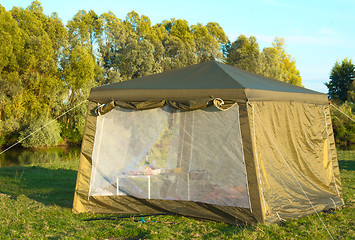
x: 208, y: 79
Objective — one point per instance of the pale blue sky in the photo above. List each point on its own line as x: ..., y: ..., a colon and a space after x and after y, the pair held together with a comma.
x: 317, y: 32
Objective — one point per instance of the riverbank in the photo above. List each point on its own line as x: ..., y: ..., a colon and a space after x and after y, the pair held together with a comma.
x: 36, y: 200
x: 26, y: 156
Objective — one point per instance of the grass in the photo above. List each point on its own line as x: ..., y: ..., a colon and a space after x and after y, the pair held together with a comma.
x: 35, y: 203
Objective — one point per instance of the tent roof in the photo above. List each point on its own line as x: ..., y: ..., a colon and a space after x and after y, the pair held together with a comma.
x: 208, y: 79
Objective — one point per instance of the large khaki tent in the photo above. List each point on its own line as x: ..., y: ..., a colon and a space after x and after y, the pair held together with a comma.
x: 208, y: 141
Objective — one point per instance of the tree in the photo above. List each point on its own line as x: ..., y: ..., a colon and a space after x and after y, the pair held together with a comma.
x: 344, y: 128
x: 84, y: 29
x: 81, y: 69
x: 289, y: 71
x: 341, y: 80
x: 79, y: 78
x: 208, y: 40
x: 179, y: 44
x: 111, y: 42
x: 30, y: 86
x: 351, y: 93
x: 271, y: 64
x: 245, y: 54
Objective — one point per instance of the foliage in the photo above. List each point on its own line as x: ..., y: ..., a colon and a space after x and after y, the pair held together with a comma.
x: 272, y: 62
x: 344, y: 128
x: 36, y: 203
x: 289, y: 72
x: 245, y: 53
x: 341, y: 85
x: 351, y: 92
x: 45, y: 137
x: 47, y: 68
x: 29, y: 84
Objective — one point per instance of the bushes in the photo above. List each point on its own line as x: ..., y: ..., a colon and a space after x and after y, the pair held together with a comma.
x: 46, y: 137
x: 344, y: 128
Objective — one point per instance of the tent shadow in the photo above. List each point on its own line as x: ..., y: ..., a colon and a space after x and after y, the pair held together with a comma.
x: 48, y: 186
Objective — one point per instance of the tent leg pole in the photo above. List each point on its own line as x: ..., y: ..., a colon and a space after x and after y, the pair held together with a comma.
x: 118, y: 187
x: 149, y: 187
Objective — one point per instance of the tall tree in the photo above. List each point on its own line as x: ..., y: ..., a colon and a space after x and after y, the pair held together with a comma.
x: 137, y: 55
x: 111, y: 42
x: 84, y: 29
x: 290, y: 73
x: 79, y: 77
x: 245, y: 54
x: 341, y: 80
x: 30, y: 84
x: 271, y: 64
x: 11, y: 101
x: 208, y: 41
x: 351, y: 93
x: 179, y: 43
x: 81, y: 68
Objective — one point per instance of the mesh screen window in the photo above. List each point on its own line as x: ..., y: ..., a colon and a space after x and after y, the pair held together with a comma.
x: 164, y: 153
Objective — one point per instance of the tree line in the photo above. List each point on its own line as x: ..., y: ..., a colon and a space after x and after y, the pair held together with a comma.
x: 47, y: 67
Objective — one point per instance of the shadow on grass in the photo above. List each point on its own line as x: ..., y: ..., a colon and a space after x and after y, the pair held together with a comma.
x: 48, y: 186
x: 347, y: 165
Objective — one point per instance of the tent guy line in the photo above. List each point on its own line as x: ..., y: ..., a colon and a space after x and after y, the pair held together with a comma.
x: 342, y: 112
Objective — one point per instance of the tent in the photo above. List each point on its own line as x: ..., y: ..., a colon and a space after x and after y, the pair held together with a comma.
x: 209, y: 141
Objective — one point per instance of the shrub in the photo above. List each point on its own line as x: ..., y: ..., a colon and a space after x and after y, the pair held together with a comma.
x: 344, y: 128
x: 46, y: 137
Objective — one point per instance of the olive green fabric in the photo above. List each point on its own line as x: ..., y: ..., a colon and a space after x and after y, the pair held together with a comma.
x: 286, y: 133
x: 191, y: 104
x: 204, y: 80
x: 181, y: 105
x: 130, y: 205
x: 295, y: 155
x: 140, y: 105
x: 85, y: 162
x: 252, y: 176
x: 106, y: 108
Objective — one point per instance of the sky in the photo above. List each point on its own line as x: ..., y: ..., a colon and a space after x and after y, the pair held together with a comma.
x: 317, y: 33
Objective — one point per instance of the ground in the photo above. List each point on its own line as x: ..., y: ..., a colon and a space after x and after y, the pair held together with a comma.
x: 36, y: 201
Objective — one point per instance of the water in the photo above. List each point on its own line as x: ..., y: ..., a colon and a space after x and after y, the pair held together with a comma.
x: 23, y: 156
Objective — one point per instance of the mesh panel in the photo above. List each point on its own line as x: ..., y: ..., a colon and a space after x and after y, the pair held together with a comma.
x: 164, y: 153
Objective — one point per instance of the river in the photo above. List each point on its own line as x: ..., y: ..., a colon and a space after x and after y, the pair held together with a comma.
x: 24, y: 156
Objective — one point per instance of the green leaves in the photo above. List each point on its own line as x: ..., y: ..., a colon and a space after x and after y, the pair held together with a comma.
x: 272, y: 62
x: 46, y: 137
x: 344, y: 128
x: 245, y: 54
x: 289, y: 72
x: 341, y: 89
x: 47, y: 68
x: 340, y: 86
x: 29, y: 53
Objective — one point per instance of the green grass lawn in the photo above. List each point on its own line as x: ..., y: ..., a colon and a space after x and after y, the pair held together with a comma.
x: 36, y: 200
